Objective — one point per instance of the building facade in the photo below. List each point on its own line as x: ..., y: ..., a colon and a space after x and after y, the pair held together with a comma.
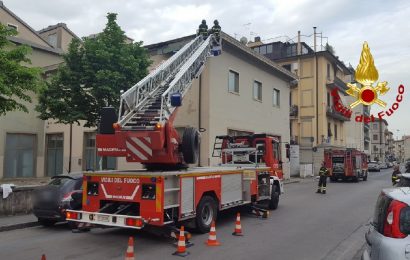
x: 399, y: 150
x: 314, y: 124
x: 379, y: 133
x: 22, y: 142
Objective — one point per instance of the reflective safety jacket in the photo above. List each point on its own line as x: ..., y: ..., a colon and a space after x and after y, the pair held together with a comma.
x: 323, y: 171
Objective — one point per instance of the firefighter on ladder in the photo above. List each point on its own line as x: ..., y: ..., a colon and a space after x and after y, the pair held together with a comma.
x: 216, y: 30
x: 203, y: 29
x: 323, y: 173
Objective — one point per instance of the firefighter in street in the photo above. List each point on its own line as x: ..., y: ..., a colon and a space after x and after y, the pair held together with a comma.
x: 203, y: 29
x: 395, y: 177
x: 323, y: 173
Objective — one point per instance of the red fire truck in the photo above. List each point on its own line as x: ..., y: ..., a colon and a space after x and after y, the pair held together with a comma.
x: 167, y: 191
x: 346, y: 164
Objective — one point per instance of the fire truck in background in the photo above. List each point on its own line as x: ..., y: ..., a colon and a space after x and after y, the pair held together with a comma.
x: 346, y: 164
x: 167, y: 192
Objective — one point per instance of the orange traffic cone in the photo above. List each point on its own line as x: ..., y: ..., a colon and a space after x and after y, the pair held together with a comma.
x: 129, y: 255
x: 181, y: 248
x: 212, y: 236
x: 238, y: 226
x: 43, y: 257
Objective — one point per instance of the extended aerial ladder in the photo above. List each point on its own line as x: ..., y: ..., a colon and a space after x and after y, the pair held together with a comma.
x: 143, y: 131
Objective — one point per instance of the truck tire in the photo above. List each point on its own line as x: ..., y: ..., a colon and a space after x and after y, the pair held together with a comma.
x: 333, y: 179
x: 206, y: 212
x: 190, y: 145
x: 274, y: 200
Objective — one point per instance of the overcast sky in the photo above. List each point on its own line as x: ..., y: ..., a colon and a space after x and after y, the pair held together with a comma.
x: 346, y: 23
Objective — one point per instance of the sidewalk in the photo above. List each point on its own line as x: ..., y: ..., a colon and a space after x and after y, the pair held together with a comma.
x: 16, y: 222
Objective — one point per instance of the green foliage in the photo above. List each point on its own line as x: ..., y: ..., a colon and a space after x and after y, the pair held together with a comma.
x: 95, y: 72
x: 17, y: 81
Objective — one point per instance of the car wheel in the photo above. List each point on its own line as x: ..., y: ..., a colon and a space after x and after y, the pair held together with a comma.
x: 46, y: 222
x: 206, y: 212
x: 274, y: 200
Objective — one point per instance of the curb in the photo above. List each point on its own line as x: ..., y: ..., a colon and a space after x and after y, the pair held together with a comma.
x: 291, y: 181
x: 19, y: 226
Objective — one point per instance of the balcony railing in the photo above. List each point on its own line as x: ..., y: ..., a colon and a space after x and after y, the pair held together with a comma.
x: 293, y: 111
x: 336, y: 115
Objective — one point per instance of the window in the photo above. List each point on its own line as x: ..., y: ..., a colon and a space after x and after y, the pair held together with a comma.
x: 233, y: 81
x: 232, y: 132
x: 262, y: 49
x: 329, y: 130
x: 256, y: 49
x: 91, y: 160
x: 52, y: 40
x: 335, y: 132
x: 12, y: 26
x: 54, y: 157
x: 290, y: 99
x: 287, y: 66
x: 269, y: 48
x: 257, y: 90
x: 375, y: 148
x: 276, y: 97
x: 375, y: 137
x: 276, y: 150
x: 328, y: 71
x: 19, y: 160
x: 374, y: 126
x: 329, y: 104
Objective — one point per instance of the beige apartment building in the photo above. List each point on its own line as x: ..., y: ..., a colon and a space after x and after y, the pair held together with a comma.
x: 399, y: 150
x: 22, y: 143
x: 239, y: 92
x: 379, y: 143
x: 314, y: 124
x: 406, y: 147
x: 28, y: 148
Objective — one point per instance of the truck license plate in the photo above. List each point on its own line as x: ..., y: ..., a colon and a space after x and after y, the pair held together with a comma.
x: 103, y: 218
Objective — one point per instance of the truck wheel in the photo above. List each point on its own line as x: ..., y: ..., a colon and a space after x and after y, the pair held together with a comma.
x: 190, y: 145
x: 46, y: 222
x: 333, y: 179
x: 206, y: 212
x: 274, y: 200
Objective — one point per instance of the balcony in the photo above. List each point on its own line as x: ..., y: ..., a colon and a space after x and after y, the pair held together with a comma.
x: 293, y: 111
x: 338, y: 83
x: 330, y: 112
x: 367, y: 139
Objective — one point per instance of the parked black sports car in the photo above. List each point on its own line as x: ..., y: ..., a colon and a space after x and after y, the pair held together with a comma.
x: 52, y: 200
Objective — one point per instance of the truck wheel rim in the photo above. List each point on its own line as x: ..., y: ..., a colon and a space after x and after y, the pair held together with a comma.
x: 207, y: 215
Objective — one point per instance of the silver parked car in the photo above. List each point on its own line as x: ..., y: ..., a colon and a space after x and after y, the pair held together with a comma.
x: 373, y: 166
x: 388, y: 236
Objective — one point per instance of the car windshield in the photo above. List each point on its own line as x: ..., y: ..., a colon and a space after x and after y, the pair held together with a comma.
x: 63, y: 183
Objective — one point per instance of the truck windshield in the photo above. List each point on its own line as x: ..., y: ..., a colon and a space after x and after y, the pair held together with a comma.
x: 338, y: 159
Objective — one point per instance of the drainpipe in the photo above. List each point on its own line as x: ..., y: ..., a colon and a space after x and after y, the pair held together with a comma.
x: 199, y: 116
x: 71, y: 148
x: 317, y: 86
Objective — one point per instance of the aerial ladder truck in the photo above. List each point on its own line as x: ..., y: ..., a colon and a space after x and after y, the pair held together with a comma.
x: 167, y: 192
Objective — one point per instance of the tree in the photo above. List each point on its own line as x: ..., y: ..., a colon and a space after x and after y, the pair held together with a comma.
x: 330, y: 48
x: 17, y: 81
x: 94, y: 73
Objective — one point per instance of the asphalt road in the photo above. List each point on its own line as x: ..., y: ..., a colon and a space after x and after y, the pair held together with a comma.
x: 305, y: 226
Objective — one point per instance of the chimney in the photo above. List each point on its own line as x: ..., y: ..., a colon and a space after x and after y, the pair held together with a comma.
x: 299, y: 50
x: 314, y: 38
x: 257, y: 39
